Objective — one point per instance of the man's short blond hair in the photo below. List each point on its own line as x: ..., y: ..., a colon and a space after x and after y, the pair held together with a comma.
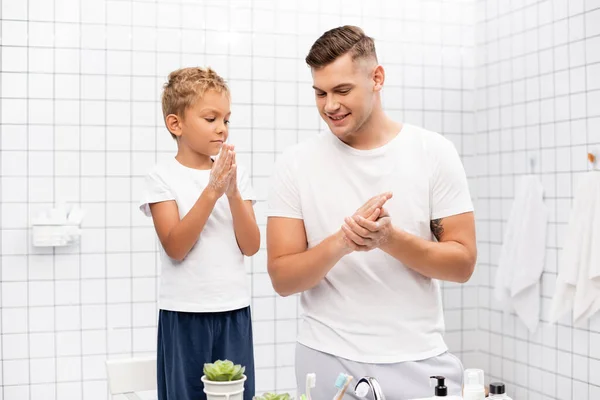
x: 339, y: 41
x: 186, y: 86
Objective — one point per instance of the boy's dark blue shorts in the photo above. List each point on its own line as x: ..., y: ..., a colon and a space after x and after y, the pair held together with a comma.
x: 188, y: 340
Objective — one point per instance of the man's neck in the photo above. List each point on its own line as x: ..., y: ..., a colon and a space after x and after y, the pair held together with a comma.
x: 377, y: 131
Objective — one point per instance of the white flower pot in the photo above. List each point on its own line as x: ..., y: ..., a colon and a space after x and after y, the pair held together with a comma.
x: 227, y: 390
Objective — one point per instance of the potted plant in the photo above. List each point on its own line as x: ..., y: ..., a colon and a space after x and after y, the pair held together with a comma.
x: 273, y: 396
x: 223, y: 380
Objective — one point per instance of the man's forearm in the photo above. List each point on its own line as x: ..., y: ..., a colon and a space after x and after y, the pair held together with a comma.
x: 295, y: 273
x: 447, y: 261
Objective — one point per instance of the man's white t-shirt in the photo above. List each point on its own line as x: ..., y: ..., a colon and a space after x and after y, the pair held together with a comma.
x: 212, y: 277
x: 370, y: 307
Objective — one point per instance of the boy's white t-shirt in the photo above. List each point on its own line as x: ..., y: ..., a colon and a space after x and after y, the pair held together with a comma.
x: 370, y: 307
x: 212, y: 277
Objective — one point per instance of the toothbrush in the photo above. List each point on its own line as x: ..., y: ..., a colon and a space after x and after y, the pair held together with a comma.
x: 311, y: 382
x: 342, y: 382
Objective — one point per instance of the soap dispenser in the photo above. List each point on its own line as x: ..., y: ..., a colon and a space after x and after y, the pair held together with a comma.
x: 473, y: 381
x: 440, y: 389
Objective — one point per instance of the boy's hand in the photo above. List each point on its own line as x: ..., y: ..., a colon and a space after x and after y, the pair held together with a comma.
x: 232, y: 188
x: 220, y: 173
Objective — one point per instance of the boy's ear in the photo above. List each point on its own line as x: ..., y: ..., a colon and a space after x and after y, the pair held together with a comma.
x: 173, y: 123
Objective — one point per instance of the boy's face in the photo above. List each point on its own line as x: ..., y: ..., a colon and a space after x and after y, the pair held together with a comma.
x: 345, y: 94
x: 204, y: 128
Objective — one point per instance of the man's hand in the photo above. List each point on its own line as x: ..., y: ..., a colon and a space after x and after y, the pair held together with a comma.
x: 365, y: 234
x: 369, y: 226
x: 295, y: 268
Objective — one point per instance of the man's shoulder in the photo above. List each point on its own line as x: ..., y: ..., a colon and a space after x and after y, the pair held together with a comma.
x: 430, y: 139
x: 423, y: 133
x: 306, y: 146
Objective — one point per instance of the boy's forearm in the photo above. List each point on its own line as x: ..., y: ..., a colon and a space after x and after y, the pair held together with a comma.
x: 295, y: 273
x: 185, y: 234
x: 246, y: 230
x: 447, y: 261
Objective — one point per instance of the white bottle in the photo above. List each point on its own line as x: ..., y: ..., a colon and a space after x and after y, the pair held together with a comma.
x: 474, y: 389
x: 498, y: 391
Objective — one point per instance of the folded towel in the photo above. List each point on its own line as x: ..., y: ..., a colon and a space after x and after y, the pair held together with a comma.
x: 578, y: 281
x: 522, y: 257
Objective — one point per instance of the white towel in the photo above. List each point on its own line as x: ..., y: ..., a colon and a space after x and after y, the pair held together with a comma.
x: 578, y: 281
x: 523, y: 253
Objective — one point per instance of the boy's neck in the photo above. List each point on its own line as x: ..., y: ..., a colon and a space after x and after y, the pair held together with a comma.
x: 191, y: 159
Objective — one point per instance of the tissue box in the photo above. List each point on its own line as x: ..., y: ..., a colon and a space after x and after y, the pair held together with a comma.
x: 55, y: 235
x: 57, y: 227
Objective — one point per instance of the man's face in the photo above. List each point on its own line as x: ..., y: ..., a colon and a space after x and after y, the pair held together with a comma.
x: 345, y: 93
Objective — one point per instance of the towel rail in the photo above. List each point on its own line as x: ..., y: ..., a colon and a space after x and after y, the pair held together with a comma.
x: 593, y: 160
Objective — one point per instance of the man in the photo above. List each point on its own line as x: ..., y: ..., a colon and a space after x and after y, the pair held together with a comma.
x: 364, y: 220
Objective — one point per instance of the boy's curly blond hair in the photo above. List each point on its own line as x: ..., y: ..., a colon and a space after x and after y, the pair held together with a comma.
x: 186, y: 85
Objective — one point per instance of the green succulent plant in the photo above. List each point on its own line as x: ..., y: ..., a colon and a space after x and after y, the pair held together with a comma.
x: 273, y: 396
x: 223, y: 371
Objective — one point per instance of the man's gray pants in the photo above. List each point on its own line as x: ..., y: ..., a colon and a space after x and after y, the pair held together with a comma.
x: 399, y: 381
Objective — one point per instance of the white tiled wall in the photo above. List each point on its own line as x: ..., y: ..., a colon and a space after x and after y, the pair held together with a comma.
x: 81, y: 123
x: 537, y: 99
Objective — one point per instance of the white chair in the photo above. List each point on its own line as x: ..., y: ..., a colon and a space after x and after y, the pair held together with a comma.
x: 131, y: 375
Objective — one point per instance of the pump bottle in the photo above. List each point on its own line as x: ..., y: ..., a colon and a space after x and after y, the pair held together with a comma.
x: 441, y: 391
x: 473, y: 381
x: 498, y: 391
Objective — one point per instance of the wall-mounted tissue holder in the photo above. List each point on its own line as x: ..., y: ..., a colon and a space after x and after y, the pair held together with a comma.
x: 57, y: 227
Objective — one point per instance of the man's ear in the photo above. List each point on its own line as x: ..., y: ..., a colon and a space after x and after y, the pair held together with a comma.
x: 378, y: 78
x: 173, y: 123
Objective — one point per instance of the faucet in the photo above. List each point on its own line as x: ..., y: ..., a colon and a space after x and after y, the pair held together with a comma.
x: 362, y: 388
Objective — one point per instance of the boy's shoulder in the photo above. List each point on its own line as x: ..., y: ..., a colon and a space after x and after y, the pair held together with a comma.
x: 162, y: 173
x: 158, y: 185
x: 162, y: 167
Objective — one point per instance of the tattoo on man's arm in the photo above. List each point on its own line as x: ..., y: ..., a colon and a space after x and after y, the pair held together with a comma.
x: 437, y: 228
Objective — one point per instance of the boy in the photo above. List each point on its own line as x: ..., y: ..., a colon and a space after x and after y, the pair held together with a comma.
x: 202, y: 211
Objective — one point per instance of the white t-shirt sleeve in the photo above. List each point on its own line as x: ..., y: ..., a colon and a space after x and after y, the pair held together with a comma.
x: 244, y: 185
x: 155, y: 191
x: 284, y: 197
x: 450, y: 193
